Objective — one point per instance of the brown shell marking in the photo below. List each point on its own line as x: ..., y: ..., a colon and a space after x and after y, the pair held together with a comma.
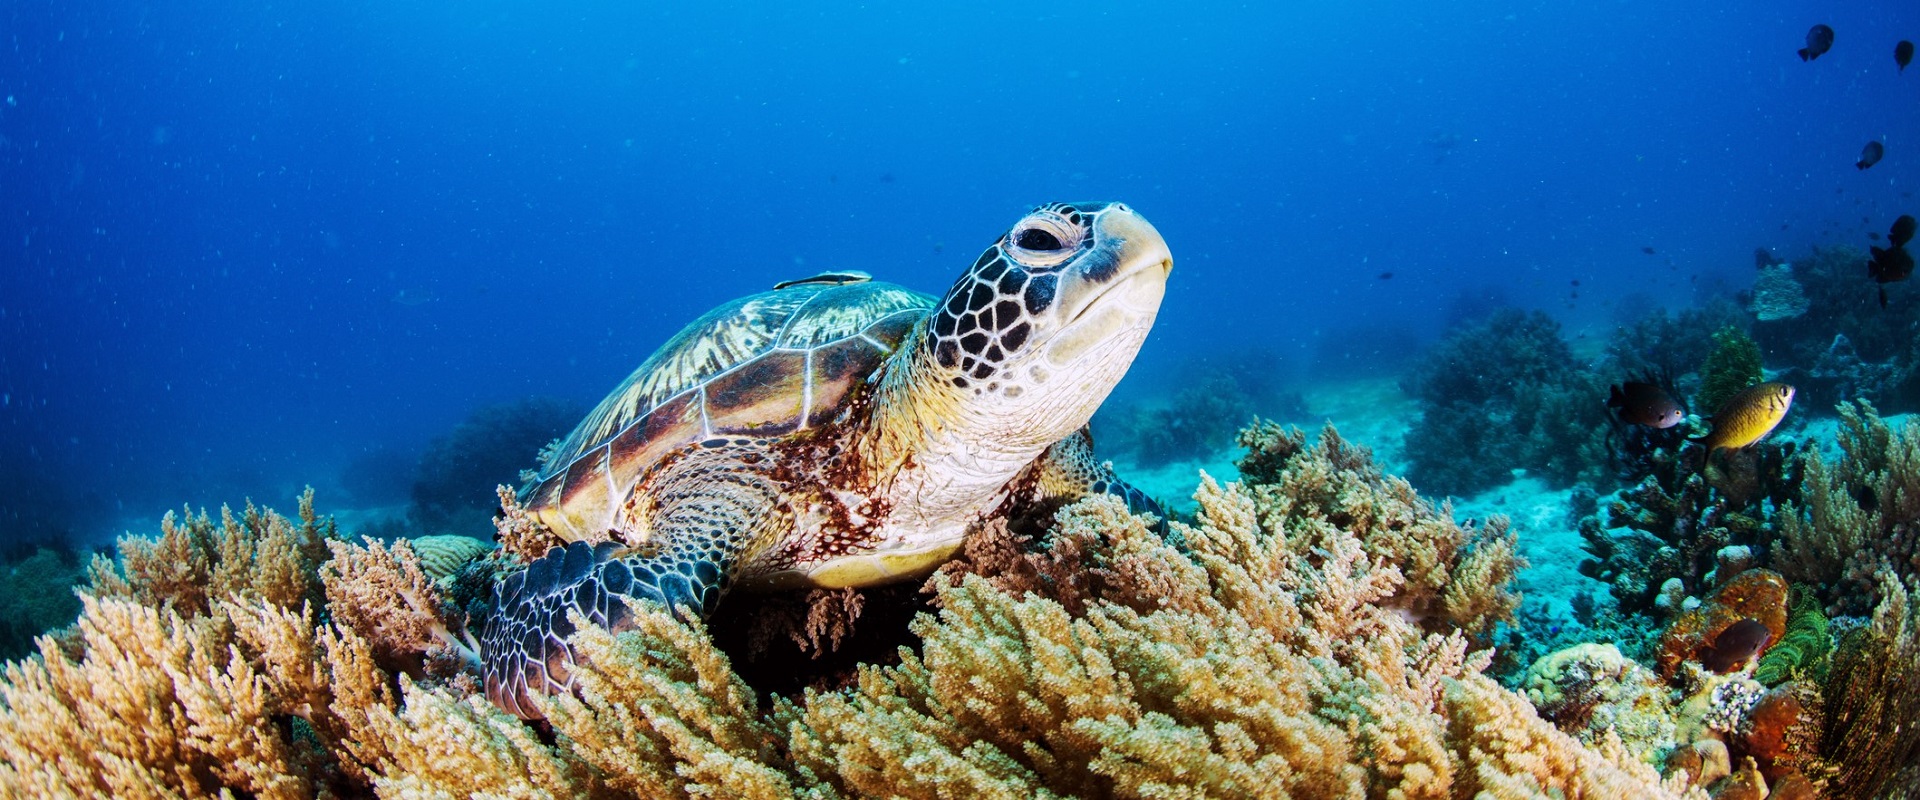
x: 764, y: 365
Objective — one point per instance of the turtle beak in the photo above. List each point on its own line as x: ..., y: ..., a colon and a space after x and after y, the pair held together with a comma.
x: 1127, y: 270
x: 1116, y: 288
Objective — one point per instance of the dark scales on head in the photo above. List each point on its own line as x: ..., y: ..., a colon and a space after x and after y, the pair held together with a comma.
x: 1736, y: 646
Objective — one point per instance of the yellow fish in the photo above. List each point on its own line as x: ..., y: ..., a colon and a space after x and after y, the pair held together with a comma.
x: 1749, y: 416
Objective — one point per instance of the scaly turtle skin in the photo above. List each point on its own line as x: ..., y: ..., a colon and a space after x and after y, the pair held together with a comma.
x: 834, y: 432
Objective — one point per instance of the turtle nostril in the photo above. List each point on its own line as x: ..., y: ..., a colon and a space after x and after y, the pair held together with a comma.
x: 1037, y: 239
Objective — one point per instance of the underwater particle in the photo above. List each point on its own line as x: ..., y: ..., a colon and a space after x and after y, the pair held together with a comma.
x: 1819, y: 40
x: 1903, y: 54
x: 1902, y: 231
x: 1870, y: 155
x: 1643, y: 403
x: 1748, y: 416
x: 1736, y: 646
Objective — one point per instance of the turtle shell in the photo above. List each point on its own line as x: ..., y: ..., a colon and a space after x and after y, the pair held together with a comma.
x: 765, y: 365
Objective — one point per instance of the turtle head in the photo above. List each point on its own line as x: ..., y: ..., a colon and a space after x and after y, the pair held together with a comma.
x: 1033, y: 337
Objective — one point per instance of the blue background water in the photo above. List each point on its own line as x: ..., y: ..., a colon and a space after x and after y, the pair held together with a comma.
x: 243, y: 243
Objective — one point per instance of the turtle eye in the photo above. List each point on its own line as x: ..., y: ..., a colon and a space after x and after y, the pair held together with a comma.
x: 1044, y: 239
x: 1038, y: 239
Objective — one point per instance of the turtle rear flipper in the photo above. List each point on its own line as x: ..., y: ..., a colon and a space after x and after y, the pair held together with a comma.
x: 711, y: 512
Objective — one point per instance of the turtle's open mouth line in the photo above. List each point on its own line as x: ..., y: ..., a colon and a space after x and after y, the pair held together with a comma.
x: 1165, y: 267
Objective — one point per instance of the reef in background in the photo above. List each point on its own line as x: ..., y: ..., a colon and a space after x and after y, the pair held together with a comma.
x: 36, y: 595
x: 1845, y: 346
x: 1505, y: 385
x: 1210, y: 399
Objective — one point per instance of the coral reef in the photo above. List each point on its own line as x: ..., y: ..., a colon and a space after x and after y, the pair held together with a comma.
x: 1593, y: 691
x: 1658, y: 342
x: 457, y: 473
x: 1308, y: 636
x: 1776, y: 295
x: 441, y: 556
x: 1871, y: 746
x: 1839, y: 375
x: 1507, y: 385
x: 1880, y: 360
x: 1857, y: 518
x: 1679, y: 522
x: 1215, y: 398
x: 36, y: 595
x: 1193, y: 421
x: 1455, y: 576
x: 1759, y: 595
x: 1733, y: 365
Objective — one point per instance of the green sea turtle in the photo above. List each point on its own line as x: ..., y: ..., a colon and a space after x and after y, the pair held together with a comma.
x: 834, y: 432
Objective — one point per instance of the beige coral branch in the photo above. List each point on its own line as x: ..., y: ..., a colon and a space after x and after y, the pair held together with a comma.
x: 382, y: 593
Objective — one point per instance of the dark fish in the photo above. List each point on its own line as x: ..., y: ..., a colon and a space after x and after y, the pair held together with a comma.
x: 1819, y: 40
x: 1643, y: 403
x: 1870, y: 155
x: 1889, y: 265
x: 1874, y: 235
x: 1647, y: 250
x: 1903, y: 54
x: 1903, y: 229
x: 1736, y: 645
x: 1386, y: 276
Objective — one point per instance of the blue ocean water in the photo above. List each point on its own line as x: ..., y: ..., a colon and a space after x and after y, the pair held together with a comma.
x: 245, y: 244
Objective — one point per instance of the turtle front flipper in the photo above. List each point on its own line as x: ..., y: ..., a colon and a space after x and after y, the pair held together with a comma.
x: 1069, y: 471
x: 708, y: 512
